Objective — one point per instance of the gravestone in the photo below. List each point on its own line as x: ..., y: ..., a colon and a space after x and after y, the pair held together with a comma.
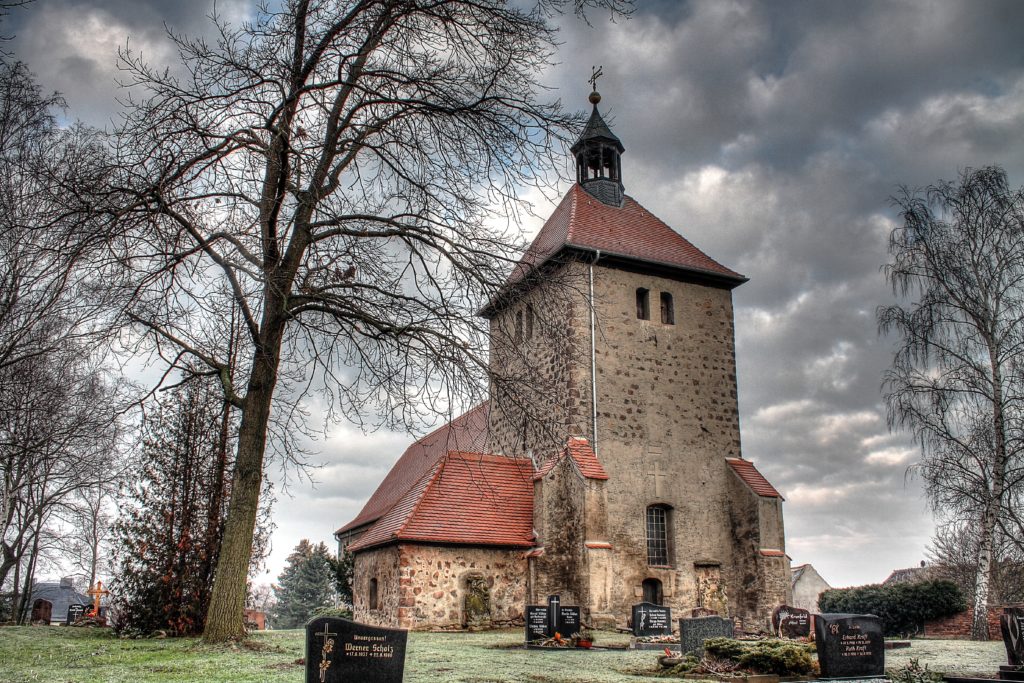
x: 694, y: 631
x: 75, y: 612
x: 1011, y: 624
x: 477, y: 602
x: 42, y: 610
x: 341, y: 651
x: 536, y: 622
x: 849, y: 645
x: 544, y: 622
x: 651, y: 620
x: 791, y: 622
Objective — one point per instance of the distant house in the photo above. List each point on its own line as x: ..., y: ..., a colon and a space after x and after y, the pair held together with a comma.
x: 807, y: 586
x: 910, y: 575
x: 60, y: 595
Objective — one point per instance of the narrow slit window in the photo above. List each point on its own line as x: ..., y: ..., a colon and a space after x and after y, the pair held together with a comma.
x: 643, y: 303
x: 373, y: 593
x: 519, y: 326
x: 529, y: 322
x: 668, y: 315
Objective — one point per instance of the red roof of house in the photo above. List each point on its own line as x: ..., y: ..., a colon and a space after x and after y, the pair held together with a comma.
x: 752, y: 478
x: 582, y: 455
x: 465, y: 433
x: 629, y: 231
x: 466, y: 498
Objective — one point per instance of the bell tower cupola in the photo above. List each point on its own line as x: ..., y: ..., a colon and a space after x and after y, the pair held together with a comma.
x: 597, y: 153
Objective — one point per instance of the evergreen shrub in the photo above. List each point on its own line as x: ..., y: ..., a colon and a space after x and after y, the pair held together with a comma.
x: 903, y: 607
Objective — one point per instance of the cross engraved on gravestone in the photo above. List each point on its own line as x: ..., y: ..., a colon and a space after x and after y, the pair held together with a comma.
x: 75, y: 612
x: 340, y: 651
x: 849, y: 645
x: 651, y: 620
x: 1011, y: 624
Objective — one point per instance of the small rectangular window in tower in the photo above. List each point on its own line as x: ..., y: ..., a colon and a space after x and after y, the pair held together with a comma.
x: 643, y: 303
x: 668, y: 315
x: 657, y: 536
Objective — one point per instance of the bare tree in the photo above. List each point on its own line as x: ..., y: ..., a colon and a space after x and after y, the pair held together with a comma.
x: 953, y: 554
x: 333, y: 171
x: 956, y: 380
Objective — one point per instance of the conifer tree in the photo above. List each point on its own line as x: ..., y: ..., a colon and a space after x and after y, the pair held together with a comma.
x: 172, y: 523
x: 306, y: 585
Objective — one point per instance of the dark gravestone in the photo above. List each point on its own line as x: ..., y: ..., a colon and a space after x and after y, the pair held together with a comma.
x: 341, y: 651
x: 568, y: 621
x: 536, y: 622
x: 1011, y: 623
x: 791, y: 622
x: 693, y: 632
x: 42, y: 611
x: 75, y: 612
x: 651, y: 620
x: 849, y: 645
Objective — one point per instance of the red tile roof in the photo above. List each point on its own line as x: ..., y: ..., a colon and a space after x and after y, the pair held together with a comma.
x: 598, y: 545
x: 583, y: 457
x: 629, y: 231
x: 465, y: 433
x: 752, y: 478
x: 771, y: 552
x: 466, y: 498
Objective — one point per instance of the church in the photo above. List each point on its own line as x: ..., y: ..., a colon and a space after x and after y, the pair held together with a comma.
x: 606, y: 467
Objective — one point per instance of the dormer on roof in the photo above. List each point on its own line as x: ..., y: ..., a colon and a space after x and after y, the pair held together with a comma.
x: 598, y: 158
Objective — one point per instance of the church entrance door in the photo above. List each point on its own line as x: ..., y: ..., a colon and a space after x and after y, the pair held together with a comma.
x: 652, y: 591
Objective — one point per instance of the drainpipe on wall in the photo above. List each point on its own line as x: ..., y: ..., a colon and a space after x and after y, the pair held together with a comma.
x: 593, y: 354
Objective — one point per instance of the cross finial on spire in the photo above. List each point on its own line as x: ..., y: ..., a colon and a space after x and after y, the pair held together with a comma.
x: 596, y: 72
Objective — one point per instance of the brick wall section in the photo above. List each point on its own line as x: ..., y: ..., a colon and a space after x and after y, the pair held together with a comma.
x: 958, y: 626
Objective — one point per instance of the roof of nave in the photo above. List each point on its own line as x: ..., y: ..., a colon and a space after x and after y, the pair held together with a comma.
x: 467, y: 432
x: 465, y: 498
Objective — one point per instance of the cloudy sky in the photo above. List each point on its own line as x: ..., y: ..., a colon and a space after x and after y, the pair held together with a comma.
x: 771, y: 134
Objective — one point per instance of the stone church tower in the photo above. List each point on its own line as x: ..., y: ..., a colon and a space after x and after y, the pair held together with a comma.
x: 606, y: 466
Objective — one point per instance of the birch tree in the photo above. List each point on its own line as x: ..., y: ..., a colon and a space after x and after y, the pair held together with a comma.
x: 956, y: 380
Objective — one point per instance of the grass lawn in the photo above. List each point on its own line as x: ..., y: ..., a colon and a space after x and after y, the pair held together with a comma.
x: 66, y: 655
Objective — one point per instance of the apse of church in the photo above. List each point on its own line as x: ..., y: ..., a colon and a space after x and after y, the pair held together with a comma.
x: 617, y: 402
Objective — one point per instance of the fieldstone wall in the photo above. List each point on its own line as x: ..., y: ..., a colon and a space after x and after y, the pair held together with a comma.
x: 540, y: 351
x: 382, y: 565
x: 434, y: 580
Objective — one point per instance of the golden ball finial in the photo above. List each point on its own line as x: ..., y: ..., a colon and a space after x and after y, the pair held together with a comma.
x: 595, y: 97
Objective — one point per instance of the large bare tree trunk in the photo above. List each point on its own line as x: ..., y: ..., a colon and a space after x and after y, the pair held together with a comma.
x: 225, y: 619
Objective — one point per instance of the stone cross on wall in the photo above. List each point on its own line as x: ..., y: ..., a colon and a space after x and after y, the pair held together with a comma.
x: 658, y: 475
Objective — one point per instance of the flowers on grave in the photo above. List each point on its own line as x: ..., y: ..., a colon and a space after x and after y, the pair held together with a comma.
x: 664, y: 638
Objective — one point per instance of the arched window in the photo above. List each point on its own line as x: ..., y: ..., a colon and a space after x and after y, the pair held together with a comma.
x: 643, y: 303
x: 668, y: 315
x: 519, y: 326
x: 659, y: 527
x: 529, y: 321
x: 373, y: 593
x: 652, y: 592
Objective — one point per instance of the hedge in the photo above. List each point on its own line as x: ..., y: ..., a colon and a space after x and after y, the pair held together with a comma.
x: 903, y: 607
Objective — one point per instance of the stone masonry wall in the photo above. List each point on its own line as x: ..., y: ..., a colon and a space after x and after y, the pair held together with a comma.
x: 433, y: 584
x: 536, y: 399
x: 560, y: 523
x: 667, y: 418
x: 380, y: 564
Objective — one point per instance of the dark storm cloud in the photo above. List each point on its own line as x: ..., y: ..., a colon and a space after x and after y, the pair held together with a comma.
x: 772, y: 135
